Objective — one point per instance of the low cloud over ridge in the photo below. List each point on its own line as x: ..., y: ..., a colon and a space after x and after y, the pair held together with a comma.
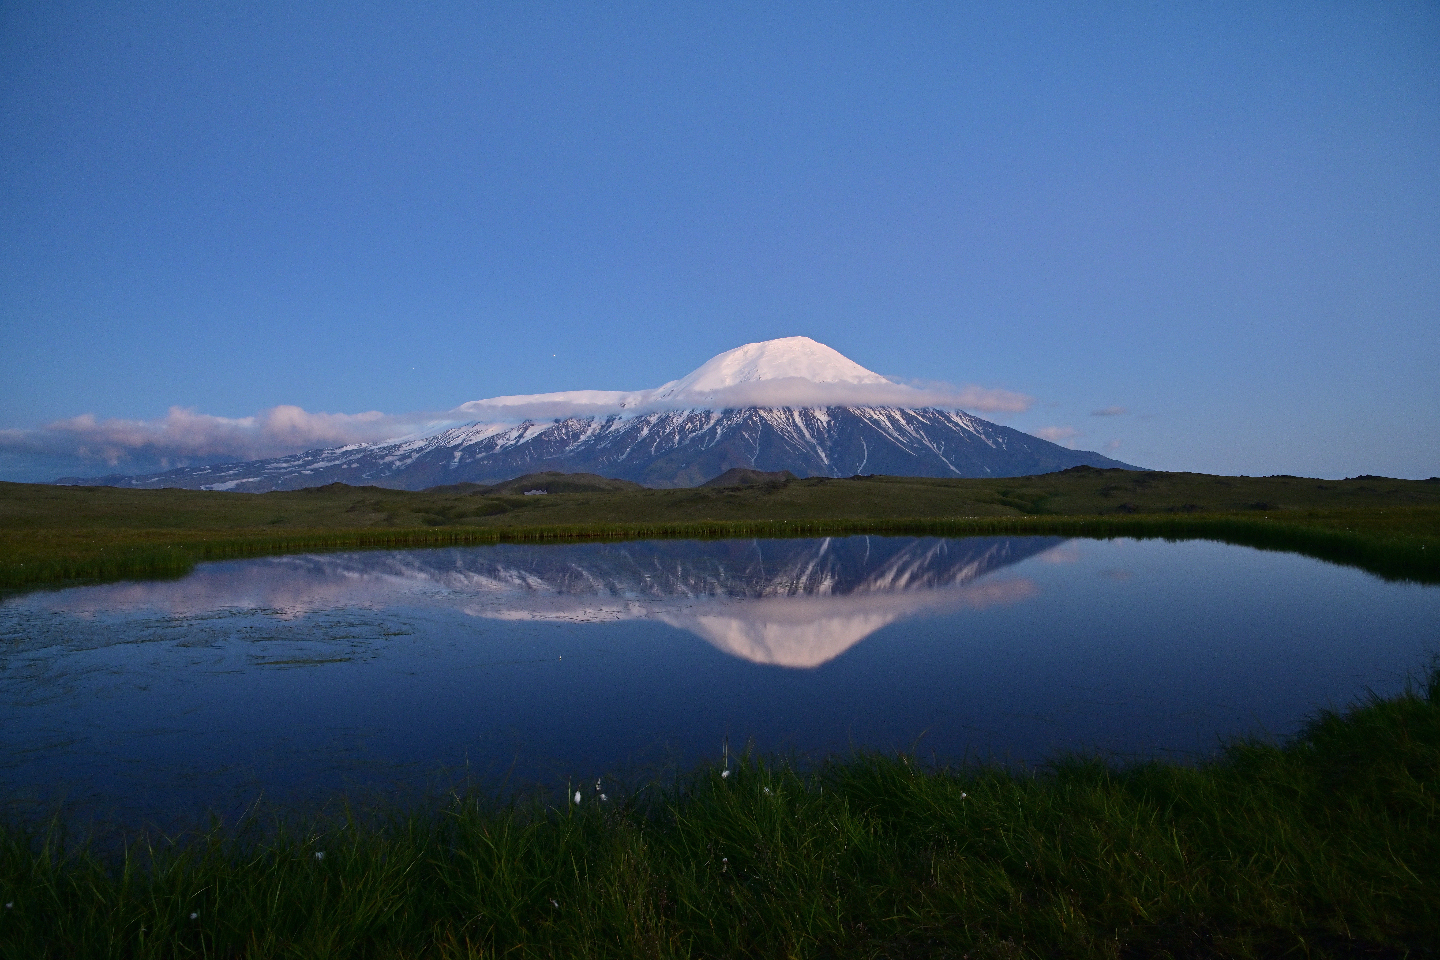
x: 183, y: 436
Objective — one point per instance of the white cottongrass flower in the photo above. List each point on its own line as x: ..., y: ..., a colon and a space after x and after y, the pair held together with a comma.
x: 724, y: 774
x: 319, y: 854
x: 194, y: 916
x: 767, y: 791
x: 10, y: 905
x: 603, y: 797
x: 964, y: 795
x: 577, y: 796
x: 555, y: 903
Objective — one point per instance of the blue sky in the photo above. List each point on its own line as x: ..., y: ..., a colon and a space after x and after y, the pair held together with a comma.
x: 1220, y: 219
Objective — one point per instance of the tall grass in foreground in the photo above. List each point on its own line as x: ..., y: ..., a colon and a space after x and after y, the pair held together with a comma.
x: 1326, y: 847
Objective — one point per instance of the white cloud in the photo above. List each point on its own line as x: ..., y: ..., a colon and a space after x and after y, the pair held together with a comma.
x: 1057, y: 434
x: 184, y: 435
x: 991, y: 400
x: 777, y: 392
x: 1109, y: 412
x: 1112, y: 446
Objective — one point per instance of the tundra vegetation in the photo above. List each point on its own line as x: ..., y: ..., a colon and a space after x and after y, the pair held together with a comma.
x: 51, y: 534
x: 1325, y: 846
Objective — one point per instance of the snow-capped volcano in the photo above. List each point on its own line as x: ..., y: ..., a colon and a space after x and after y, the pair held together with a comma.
x: 789, y: 404
x: 790, y: 372
x: 792, y: 357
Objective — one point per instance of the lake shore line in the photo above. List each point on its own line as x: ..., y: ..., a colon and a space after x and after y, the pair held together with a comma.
x: 53, y: 535
x: 1328, y: 846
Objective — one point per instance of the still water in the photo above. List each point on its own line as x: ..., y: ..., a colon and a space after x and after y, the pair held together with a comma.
x: 393, y: 673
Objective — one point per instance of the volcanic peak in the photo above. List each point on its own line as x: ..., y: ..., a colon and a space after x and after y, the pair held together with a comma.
x: 771, y: 360
x: 788, y: 372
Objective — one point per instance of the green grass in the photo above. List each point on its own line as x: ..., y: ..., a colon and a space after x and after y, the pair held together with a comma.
x: 54, y: 534
x: 1328, y: 846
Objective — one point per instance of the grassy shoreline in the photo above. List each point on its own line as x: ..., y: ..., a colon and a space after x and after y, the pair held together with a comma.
x: 53, y: 535
x: 1328, y: 846
x: 133, y: 557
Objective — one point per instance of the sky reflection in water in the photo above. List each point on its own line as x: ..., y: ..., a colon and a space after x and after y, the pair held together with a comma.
x: 296, y: 676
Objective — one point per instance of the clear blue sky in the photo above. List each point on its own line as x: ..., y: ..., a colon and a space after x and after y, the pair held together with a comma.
x: 1222, y: 218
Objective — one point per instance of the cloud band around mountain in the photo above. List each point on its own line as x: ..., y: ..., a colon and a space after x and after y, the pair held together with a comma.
x: 776, y: 392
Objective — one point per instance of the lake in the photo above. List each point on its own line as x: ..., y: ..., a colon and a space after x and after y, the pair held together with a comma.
x: 395, y: 673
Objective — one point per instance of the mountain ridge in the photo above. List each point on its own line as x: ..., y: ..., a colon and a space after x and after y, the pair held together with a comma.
x: 677, y: 449
x: 734, y: 411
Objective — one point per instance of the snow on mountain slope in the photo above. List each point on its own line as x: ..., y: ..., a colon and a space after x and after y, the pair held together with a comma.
x: 666, y: 449
x: 790, y: 404
x: 798, y: 357
x: 789, y: 372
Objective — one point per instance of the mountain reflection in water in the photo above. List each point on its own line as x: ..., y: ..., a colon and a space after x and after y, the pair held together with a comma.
x: 300, y: 679
x: 791, y: 603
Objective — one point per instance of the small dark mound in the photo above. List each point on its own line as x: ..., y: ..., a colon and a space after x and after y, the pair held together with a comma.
x: 746, y: 477
x: 336, y: 487
x: 553, y: 482
x: 457, y: 488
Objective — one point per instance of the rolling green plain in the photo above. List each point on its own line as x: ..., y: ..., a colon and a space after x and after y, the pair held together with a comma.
x: 51, y: 534
x: 1325, y: 846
